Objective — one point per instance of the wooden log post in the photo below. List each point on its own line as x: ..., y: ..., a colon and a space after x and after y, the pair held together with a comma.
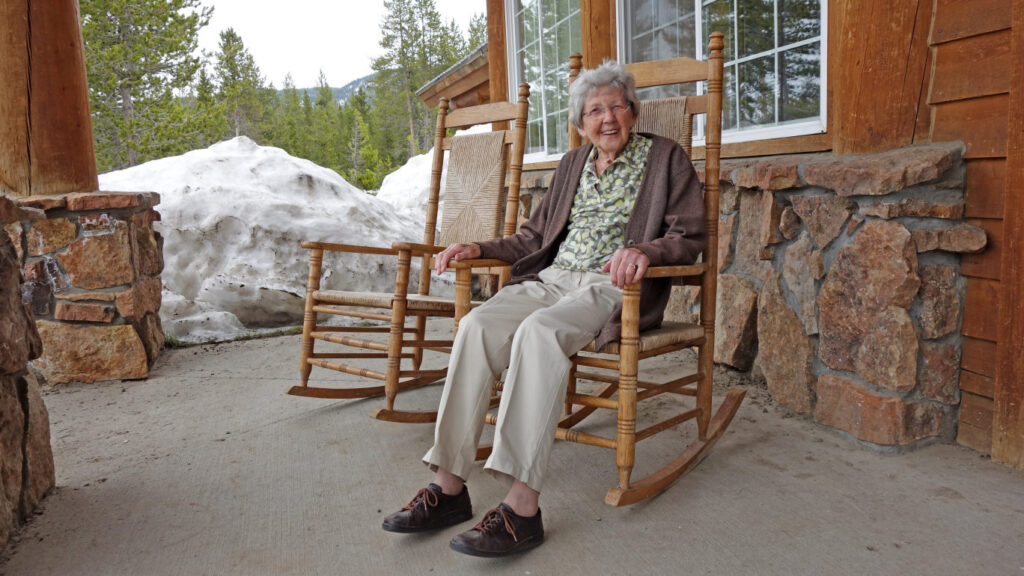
x: 1008, y: 417
x: 46, y: 145
x: 879, y: 51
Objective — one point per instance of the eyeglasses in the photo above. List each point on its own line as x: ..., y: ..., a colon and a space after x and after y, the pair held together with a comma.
x: 600, y: 111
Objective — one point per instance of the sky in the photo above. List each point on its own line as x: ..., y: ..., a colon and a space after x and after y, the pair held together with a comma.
x: 305, y: 36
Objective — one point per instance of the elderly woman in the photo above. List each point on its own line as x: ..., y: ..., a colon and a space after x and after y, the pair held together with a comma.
x: 615, y: 207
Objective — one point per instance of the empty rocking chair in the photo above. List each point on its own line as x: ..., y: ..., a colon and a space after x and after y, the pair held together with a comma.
x: 477, y: 168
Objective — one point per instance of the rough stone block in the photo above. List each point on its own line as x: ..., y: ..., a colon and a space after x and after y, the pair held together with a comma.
x: 877, y: 271
x: 152, y: 335
x: 789, y: 223
x: 682, y: 304
x: 141, y: 299
x: 88, y: 353
x: 845, y: 404
x: 44, y: 203
x: 885, y: 173
x: 768, y: 175
x: 40, y: 477
x: 940, y: 372
x: 824, y: 216
x: 887, y: 356
x: 84, y: 201
x: 962, y: 238
x: 48, y: 236
x: 785, y: 354
x: 100, y: 261
x: 96, y: 224
x: 771, y: 215
x: 728, y: 198
x: 747, y: 256
x: 736, y: 322
x: 19, y: 341
x: 941, y: 302
x: 915, y: 208
x: 81, y: 312
x: 802, y: 267
x: 15, y: 233
x: 726, y: 236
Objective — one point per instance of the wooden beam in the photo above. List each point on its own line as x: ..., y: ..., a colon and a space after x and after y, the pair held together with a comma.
x: 14, y: 150
x: 597, y: 32
x: 496, y: 55
x: 1008, y: 409
x: 881, y: 57
x: 46, y: 144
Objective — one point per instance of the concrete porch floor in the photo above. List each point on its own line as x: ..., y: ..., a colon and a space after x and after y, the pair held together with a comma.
x: 208, y: 467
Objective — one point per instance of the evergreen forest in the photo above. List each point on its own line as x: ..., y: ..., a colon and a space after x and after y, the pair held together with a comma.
x: 153, y: 94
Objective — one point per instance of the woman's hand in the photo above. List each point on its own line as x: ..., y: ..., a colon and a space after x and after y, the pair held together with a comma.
x: 456, y: 251
x: 627, y: 266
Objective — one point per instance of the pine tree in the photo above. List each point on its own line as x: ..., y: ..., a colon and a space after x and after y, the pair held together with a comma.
x: 242, y: 89
x: 140, y: 59
x: 477, y: 31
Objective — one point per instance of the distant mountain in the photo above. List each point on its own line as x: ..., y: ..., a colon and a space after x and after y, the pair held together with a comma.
x: 340, y: 94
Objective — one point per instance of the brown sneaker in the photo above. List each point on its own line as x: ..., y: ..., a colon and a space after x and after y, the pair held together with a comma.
x: 501, y: 532
x: 430, y: 509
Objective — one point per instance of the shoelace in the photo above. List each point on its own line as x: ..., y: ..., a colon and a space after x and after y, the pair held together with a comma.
x: 492, y: 519
x: 427, y: 497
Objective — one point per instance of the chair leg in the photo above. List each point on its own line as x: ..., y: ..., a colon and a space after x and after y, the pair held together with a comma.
x: 421, y: 332
x: 570, y: 389
x: 625, y: 438
x: 316, y: 257
x: 397, y: 336
x: 707, y: 367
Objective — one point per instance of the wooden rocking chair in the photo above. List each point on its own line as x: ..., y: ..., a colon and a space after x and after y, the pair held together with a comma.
x: 477, y: 168
x: 616, y: 367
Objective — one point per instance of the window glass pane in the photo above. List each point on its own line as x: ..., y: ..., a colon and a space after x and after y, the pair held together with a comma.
x: 798, y: 20
x: 756, y: 92
x: 772, y: 53
x: 800, y: 85
x: 717, y: 17
x: 729, y: 98
x: 547, y: 31
x: 754, y: 26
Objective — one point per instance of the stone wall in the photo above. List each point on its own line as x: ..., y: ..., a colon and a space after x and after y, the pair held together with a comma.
x: 26, y: 460
x: 92, y: 270
x: 839, y: 283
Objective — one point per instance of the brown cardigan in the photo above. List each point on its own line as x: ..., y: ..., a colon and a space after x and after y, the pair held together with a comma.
x: 667, y: 224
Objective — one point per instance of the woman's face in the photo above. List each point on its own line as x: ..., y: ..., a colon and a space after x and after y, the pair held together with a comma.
x: 607, y: 120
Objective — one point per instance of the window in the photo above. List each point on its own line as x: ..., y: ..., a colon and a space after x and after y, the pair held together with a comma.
x: 543, y: 33
x: 774, y: 84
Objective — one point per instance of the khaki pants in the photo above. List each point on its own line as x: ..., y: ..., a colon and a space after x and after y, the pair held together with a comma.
x: 533, y: 328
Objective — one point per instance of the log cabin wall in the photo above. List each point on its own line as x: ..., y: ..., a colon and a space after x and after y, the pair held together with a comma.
x: 968, y: 100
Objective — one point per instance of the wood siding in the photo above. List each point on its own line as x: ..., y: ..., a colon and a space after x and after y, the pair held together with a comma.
x: 970, y: 100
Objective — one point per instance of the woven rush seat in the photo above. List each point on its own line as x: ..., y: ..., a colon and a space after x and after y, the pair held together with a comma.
x: 670, y: 333
x: 383, y: 300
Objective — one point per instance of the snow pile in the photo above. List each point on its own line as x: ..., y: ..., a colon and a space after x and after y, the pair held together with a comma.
x: 233, y: 216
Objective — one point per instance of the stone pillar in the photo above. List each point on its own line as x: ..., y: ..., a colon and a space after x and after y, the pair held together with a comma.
x: 93, y: 282
x: 26, y: 460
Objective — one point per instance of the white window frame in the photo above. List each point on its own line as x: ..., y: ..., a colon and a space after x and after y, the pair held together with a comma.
x: 799, y: 128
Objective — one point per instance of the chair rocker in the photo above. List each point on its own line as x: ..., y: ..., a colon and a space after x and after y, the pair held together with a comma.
x: 615, y: 369
x: 477, y: 168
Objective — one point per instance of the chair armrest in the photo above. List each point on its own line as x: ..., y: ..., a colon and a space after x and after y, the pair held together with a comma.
x: 348, y: 248
x: 675, y: 271
x: 416, y: 247
x: 478, y: 263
